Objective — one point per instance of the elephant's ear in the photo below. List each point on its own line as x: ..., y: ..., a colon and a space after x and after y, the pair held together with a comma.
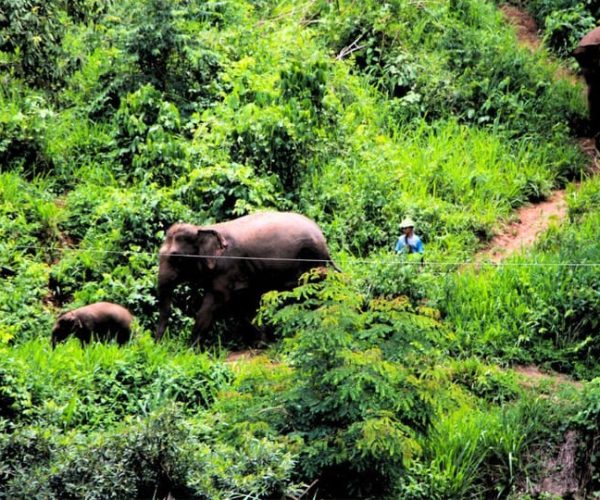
x: 586, y: 55
x: 66, y: 319
x: 583, y: 55
x: 211, y: 244
x: 71, y: 320
x: 77, y: 322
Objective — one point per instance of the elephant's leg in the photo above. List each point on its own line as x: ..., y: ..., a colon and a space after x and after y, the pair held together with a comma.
x: 123, y: 336
x: 211, y: 304
x: 244, y: 308
x: 260, y: 336
x: 165, y: 300
x: 594, y: 109
x: 84, y: 336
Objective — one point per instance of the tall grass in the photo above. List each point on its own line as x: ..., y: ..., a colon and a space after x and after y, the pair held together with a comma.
x: 541, y: 306
x: 71, y: 387
x: 475, y: 452
x: 438, y: 116
x: 455, y: 180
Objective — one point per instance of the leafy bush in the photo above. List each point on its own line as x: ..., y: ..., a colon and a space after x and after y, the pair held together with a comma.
x: 160, y: 454
x: 14, y: 397
x: 154, y: 40
x: 564, y: 28
x: 31, y: 32
x: 22, y: 312
x: 223, y: 192
x: 355, y: 410
x: 33, y: 227
x: 247, y: 463
x: 145, y: 135
x: 390, y: 275
x: 23, y: 454
x: 161, y: 41
x: 266, y: 141
x: 23, y: 135
x: 144, y: 460
x: 131, y: 227
x: 487, y: 382
x: 305, y: 85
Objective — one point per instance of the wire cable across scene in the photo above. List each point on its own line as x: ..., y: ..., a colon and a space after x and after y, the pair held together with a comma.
x: 392, y: 260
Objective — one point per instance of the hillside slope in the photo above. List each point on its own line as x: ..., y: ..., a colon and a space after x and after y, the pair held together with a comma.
x: 390, y: 379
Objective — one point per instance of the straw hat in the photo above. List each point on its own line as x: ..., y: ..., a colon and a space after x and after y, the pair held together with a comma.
x: 408, y: 222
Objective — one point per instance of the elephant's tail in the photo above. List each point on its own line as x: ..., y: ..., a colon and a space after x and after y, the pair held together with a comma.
x: 333, y: 264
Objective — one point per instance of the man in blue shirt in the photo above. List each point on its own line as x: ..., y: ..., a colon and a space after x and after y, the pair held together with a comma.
x: 409, y: 242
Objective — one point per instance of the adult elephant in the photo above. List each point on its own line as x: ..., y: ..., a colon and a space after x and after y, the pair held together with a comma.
x: 587, y: 54
x: 244, y: 257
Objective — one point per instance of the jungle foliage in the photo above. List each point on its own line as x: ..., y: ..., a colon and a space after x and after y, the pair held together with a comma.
x: 563, y: 22
x: 390, y: 379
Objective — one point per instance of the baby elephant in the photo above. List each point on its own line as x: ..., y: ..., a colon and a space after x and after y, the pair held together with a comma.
x: 102, y: 318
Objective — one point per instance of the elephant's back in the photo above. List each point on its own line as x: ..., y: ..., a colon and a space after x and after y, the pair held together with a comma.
x: 273, y: 233
x: 107, y: 312
x: 592, y: 38
x: 268, y: 224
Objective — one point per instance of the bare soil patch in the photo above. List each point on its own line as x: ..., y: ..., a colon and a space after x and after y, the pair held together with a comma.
x: 559, y: 475
x: 235, y: 356
x: 534, y: 376
x: 527, y: 30
x: 531, y: 221
x: 556, y: 475
x: 560, y: 472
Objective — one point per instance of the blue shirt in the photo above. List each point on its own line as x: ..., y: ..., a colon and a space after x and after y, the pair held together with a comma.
x: 413, y: 245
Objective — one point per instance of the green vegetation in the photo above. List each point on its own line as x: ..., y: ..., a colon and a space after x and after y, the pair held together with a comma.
x: 541, y: 307
x: 390, y: 379
x: 563, y: 22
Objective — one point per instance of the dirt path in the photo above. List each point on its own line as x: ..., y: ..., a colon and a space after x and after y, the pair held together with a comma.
x: 533, y: 219
x: 560, y: 474
x: 533, y: 376
x: 235, y: 356
x: 527, y: 30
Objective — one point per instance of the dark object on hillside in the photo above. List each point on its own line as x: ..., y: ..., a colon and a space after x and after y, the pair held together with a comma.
x: 236, y: 262
x: 103, y: 319
x: 5, y: 272
x: 587, y: 54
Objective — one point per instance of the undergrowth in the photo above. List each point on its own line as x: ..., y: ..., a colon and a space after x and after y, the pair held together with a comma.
x: 387, y: 380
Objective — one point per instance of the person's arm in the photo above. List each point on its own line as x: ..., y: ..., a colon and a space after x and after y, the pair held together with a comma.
x: 399, y: 245
x: 419, y: 247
